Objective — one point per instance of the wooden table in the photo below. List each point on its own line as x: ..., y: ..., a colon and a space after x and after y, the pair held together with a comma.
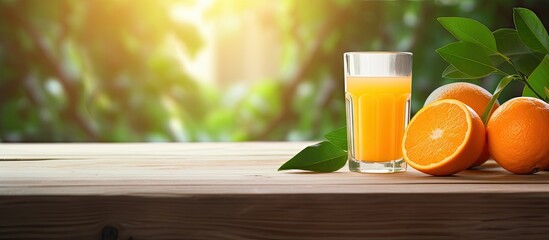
x: 233, y: 191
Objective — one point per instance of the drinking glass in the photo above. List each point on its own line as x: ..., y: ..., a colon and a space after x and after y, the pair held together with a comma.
x: 377, y: 92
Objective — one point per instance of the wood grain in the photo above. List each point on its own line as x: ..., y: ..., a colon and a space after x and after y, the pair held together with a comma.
x: 233, y: 191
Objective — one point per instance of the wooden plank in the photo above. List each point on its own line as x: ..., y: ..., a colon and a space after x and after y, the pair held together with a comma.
x: 233, y: 191
x: 13, y: 151
x: 96, y: 169
x: 267, y: 216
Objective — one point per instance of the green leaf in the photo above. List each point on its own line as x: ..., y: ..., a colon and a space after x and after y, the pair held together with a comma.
x: 531, y: 30
x: 538, y: 80
x: 321, y: 157
x: 453, y: 73
x: 498, y: 61
x: 338, y: 137
x: 502, y: 83
x: 469, y: 30
x: 526, y: 63
x: 468, y: 58
x: 546, y: 92
x: 508, y: 42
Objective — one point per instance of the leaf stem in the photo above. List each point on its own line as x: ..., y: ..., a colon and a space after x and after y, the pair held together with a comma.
x: 504, y: 57
x: 522, y: 77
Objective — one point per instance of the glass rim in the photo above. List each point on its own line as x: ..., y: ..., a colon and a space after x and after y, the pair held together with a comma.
x: 378, y: 53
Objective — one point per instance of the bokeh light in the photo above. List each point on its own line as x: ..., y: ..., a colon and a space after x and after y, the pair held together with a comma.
x: 209, y: 70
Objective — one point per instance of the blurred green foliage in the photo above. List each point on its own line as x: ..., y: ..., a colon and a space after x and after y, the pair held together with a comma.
x: 104, y: 70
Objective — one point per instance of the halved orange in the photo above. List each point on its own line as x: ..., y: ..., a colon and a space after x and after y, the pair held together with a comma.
x: 443, y: 138
x: 473, y: 96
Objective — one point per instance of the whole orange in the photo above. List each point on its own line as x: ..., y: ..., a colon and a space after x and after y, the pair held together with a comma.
x: 473, y: 96
x: 518, y: 135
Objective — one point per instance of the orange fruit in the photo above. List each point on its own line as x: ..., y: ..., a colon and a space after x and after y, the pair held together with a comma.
x: 443, y: 138
x: 518, y: 135
x: 473, y: 96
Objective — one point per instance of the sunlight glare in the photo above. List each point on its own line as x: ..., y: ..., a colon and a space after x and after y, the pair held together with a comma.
x: 200, y: 67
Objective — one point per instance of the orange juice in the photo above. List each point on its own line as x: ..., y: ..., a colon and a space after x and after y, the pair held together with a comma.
x: 380, y: 108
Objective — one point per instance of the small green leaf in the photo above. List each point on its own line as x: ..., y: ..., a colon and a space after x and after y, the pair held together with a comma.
x: 338, y: 137
x: 321, y: 157
x: 502, y: 83
x: 469, y: 30
x: 538, y: 80
x: 453, y: 73
x: 468, y: 58
x: 546, y: 92
x: 531, y: 30
x: 508, y: 42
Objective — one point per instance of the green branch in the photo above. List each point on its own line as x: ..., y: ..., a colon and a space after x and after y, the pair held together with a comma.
x: 524, y: 78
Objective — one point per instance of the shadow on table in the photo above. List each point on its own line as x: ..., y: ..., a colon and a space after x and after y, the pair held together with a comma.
x: 492, y: 172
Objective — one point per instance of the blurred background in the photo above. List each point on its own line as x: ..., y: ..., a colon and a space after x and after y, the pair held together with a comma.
x: 209, y: 70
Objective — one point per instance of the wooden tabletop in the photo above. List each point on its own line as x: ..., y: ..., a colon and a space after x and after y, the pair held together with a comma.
x: 234, y: 191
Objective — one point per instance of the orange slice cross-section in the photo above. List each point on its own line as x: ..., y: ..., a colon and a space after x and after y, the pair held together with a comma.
x: 443, y: 138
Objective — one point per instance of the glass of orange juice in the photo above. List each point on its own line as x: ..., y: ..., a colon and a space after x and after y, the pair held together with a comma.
x: 378, y: 87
